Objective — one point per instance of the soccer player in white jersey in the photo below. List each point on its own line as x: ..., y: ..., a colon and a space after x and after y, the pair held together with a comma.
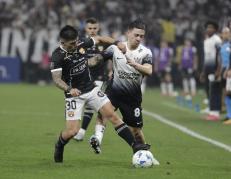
x: 125, y: 88
x: 70, y: 73
x: 210, y: 72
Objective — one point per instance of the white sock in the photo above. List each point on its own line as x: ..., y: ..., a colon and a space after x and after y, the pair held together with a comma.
x: 193, y: 85
x: 215, y: 113
x: 163, y: 88
x: 170, y: 88
x: 99, y: 131
x: 80, y: 134
x: 185, y: 86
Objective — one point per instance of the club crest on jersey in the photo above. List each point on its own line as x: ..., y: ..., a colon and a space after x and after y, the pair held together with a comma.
x: 100, y: 48
x: 70, y: 113
x: 81, y: 51
x: 100, y: 94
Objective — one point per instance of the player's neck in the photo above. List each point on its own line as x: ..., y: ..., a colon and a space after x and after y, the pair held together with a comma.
x: 131, y: 47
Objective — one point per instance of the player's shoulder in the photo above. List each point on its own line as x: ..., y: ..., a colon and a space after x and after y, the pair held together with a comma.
x: 142, y: 48
x: 58, y: 53
x: 217, y: 37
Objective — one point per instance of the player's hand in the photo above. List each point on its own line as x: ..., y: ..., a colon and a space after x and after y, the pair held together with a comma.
x: 75, y: 92
x: 229, y: 73
x: 131, y: 62
x: 122, y: 47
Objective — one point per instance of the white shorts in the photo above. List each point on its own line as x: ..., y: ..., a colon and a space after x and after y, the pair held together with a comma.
x: 95, y: 99
x: 99, y: 84
x: 88, y: 109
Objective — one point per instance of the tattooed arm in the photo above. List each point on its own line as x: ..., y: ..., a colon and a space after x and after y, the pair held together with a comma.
x: 56, y: 76
x: 95, y: 60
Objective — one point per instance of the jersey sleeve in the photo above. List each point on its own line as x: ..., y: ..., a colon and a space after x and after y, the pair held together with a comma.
x: 110, y: 49
x: 56, y: 61
x: 106, y: 55
x: 147, y: 58
x: 86, y: 43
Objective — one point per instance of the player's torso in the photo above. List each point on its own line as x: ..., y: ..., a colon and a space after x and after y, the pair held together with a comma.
x: 225, y: 52
x: 75, y: 71
x: 187, y: 57
x: 164, y: 58
x: 210, y: 48
x: 126, y: 79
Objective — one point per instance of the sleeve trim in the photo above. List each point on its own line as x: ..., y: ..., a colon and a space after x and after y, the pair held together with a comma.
x: 57, y: 69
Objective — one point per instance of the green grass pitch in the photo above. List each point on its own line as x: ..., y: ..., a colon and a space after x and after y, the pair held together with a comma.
x: 31, y: 118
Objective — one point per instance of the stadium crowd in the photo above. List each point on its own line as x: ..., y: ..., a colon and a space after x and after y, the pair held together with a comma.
x: 171, y: 19
x: 180, y: 23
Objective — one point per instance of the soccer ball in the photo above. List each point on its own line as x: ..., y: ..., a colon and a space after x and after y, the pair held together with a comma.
x: 143, y: 159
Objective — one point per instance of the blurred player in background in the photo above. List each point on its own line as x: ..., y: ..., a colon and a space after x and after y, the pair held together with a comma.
x: 70, y: 73
x: 163, y: 65
x: 99, y: 74
x: 225, y: 56
x: 210, y: 73
x: 188, y: 66
x: 124, y: 91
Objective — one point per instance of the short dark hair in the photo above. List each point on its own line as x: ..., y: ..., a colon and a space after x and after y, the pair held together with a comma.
x: 68, y: 33
x: 138, y: 23
x: 213, y: 23
x: 92, y: 20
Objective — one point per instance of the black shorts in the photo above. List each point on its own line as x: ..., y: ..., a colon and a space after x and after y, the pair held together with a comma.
x: 223, y: 80
x: 131, y: 112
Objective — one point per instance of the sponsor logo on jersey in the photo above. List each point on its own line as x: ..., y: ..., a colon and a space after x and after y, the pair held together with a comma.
x: 82, y: 51
x: 100, y: 94
x: 70, y: 113
x: 125, y: 75
x: 100, y: 48
x: 78, y: 68
x: 68, y: 56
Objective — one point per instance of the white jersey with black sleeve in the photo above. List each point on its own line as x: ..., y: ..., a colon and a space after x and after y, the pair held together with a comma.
x: 126, y: 82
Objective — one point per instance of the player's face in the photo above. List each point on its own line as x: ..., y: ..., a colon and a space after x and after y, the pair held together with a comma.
x: 210, y: 30
x: 226, y: 35
x: 187, y: 43
x: 135, y: 36
x: 69, y: 45
x: 92, y: 29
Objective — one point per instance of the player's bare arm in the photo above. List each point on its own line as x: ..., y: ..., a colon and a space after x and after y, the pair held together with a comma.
x: 145, y: 69
x: 110, y: 41
x: 56, y: 76
x: 95, y: 60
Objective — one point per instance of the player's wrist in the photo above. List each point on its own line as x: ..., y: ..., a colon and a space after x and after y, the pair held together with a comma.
x: 116, y: 42
x: 68, y: 89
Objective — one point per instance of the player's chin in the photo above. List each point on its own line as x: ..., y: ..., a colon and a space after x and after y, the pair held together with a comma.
x: 137, y: 43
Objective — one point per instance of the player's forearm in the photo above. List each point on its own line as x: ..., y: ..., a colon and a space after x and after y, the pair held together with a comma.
x: 95, y: 60
x: 144, y: 69
x: 56, y: 76
x: 106, y: 40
